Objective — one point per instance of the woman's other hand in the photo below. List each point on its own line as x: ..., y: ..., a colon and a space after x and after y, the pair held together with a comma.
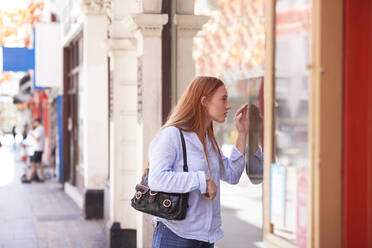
x: 211, y: 189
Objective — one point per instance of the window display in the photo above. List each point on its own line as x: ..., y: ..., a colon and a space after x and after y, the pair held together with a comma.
x: 292, y: 84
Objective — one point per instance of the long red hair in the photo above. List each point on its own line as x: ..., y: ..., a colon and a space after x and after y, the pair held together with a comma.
x: 189, y: 114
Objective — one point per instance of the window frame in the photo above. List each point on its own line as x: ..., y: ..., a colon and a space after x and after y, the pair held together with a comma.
x: 325, y: 126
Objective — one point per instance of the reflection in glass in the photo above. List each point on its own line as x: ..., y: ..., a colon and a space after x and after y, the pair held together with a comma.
x: 292, y: 81
x: 254, y: 172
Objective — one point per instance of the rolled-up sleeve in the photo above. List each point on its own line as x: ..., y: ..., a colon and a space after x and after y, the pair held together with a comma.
x: 256, y: 161
x: 254, y: 169
x: 163, y: 153
x: 234, y: 167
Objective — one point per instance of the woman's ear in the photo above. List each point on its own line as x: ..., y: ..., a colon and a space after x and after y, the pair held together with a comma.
x: 203, y: 101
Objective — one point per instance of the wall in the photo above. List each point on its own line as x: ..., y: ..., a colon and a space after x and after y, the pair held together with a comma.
x: 357, y: 173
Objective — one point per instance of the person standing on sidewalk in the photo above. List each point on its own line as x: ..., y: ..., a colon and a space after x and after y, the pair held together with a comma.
x: 27, y: 152
x: 14, y: 133
x: 38, y: 134
x: 25, y: 131
x: 204, y: 102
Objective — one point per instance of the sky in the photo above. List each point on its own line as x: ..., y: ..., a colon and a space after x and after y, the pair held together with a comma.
x: 9, y: 5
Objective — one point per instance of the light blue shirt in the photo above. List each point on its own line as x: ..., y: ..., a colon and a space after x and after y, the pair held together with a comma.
x: 203, y: 219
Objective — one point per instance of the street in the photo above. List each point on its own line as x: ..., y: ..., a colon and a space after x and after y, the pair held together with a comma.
x: 40, y: 214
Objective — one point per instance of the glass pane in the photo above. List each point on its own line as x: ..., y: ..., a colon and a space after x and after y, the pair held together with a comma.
x: 230, y: 46
x: 289, y: 173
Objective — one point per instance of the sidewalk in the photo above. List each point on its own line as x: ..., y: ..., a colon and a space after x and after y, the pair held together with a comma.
x: 241, y: 211
x: 40, y: 214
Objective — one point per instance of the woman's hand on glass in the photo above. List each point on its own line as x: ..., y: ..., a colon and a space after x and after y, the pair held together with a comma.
x: 241, y: 120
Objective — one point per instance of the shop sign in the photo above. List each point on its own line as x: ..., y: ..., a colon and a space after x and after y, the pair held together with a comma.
x: 48, y: 55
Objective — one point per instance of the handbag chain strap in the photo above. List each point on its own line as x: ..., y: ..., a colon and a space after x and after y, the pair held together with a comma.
x: 185, y: 168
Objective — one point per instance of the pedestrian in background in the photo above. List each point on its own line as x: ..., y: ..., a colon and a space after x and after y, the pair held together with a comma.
x: 27, y: 153
x: 25, y: 131
x: 24, y: 144
x: 37, y: 136
x: 14, y: 133
x: 204, y: 102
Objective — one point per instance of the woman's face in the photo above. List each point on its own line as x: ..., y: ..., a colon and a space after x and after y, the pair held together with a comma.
x: 218, y: 105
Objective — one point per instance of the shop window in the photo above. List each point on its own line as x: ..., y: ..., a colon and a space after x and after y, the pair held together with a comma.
x: 289, y: 180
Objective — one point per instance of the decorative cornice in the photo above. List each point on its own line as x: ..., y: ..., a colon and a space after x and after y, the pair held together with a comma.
x: 107, y: 6
x: 120, y: 45
x: 147, y: 24
x: 93, y: 7
x: 189, y: 25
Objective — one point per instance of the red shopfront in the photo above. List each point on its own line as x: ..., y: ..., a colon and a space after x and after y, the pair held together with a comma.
x: 357, y: 173
x: 39, y: 105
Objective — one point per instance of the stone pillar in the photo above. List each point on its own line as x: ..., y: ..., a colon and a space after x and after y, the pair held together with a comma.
x: 147, y: 28
x: 135, y: 57
x: 123, y: 160
x: 187, y: 27
x: 94, y: 103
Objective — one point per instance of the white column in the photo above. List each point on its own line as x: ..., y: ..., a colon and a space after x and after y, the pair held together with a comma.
x: 123, y: 169
x: 147, y: 28
x: 126, y: 66
x: 95, y: 97
x: 187, y: 28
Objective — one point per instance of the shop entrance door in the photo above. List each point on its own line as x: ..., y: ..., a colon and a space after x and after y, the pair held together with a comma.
x: 72, y: 67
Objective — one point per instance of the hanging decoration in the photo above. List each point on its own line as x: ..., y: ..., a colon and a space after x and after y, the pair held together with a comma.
x: 16, y: 26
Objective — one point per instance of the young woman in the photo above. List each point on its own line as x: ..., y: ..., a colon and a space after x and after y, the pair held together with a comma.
x: 204, y: 101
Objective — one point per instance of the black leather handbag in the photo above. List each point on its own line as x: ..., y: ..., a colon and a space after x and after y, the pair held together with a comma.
x: 171, y: 206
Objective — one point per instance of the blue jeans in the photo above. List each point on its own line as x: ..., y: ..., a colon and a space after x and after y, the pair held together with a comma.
x: 165, y: 238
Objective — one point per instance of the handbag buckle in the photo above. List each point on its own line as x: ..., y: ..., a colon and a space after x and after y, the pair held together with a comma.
x: 153, y: 193
x: 138, y: 195
x: 167, y: 203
